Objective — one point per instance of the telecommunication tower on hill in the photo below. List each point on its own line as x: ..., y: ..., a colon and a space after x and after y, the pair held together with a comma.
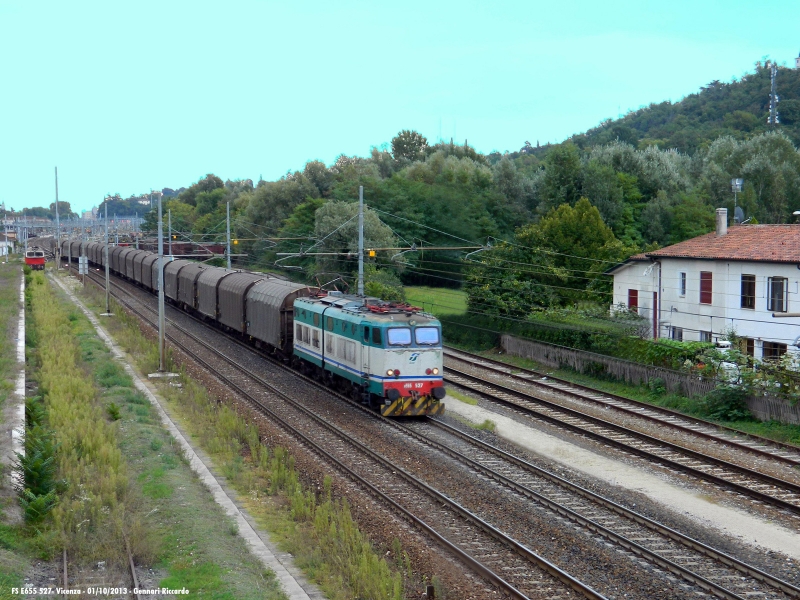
x: 797, y: 62
x: 773, y: 119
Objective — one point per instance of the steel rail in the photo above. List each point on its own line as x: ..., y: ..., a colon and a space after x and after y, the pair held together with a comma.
x: 637, y: 549
x: 451, y: 352
x: 767, y: 479
x: 518, y: 548
x: 660, y: 528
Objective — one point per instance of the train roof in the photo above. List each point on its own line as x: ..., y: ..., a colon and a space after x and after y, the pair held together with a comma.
x: 373, y: 309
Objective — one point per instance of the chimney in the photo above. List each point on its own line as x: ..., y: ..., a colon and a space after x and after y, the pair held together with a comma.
x: 722, y: 221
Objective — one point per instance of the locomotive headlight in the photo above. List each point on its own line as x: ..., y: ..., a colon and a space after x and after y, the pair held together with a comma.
x: 435, y: 371
x: 390, y: 372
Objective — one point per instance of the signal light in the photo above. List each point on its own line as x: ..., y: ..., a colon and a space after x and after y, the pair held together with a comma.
x: 235, y: 242
x: 372, y: 253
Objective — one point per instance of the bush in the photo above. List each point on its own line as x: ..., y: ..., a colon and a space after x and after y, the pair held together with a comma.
x: 657, y: 387
x: 37, y: 467
x: 727, y: 403
x: 481, y: 332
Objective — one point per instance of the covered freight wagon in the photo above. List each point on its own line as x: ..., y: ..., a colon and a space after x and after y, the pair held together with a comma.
x: 130, y: 263
x: 171, y: 277
x: 270, y: 311
x: 187, y: 283
x: 207, y: 284
x: 231, y: 298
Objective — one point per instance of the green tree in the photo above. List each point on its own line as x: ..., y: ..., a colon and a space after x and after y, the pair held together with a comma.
x: 273, y: 202
x: 558, y: 261
x: 409, y: 145
x: 562, y: 177
x: 691, y: 217
x: 209, y: 183
x: 336, y: 229
x: 582, y: 245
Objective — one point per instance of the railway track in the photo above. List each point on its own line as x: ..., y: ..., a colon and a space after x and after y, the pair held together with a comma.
x: 746, y: 482
x: 118, y: 591
x: 710, y: 570
x: 484, y: 548
x: 662, y: 417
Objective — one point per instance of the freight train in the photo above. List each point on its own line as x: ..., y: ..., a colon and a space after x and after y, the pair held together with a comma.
x: 386, y: 355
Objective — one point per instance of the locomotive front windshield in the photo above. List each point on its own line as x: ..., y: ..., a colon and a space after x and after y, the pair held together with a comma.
x: 426, y: 336
x: 399, y: 336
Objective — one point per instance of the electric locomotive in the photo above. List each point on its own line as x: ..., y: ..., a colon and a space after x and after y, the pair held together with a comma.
x: 387, y: 355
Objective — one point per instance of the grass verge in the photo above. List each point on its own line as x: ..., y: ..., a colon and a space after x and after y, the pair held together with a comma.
x: 437, y: 301
x: 315, y: 528
x: 125, y: 476
x: 13, y: 555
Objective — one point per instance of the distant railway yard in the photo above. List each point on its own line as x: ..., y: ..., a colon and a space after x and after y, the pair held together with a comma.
x: 526, y: 486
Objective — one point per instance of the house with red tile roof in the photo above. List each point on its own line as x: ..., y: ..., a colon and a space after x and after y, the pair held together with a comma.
x: 744, y: 277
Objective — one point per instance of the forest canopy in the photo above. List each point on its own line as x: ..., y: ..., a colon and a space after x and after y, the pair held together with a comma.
x: 568, y: 211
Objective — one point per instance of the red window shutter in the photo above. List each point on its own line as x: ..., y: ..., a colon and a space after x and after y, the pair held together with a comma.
x: 633, y: 299
x: 705, y: 287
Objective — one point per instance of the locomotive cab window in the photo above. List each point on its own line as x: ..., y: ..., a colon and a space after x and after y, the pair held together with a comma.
x: 399, y: 336
x: 366, y: 334
x: 426, y: 336
x: 376, y: 336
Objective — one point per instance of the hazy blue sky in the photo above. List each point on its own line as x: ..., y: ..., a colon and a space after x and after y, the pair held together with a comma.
x: 129, y: 96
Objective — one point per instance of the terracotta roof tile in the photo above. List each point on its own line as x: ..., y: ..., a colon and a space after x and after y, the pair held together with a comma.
x: 769, y: 243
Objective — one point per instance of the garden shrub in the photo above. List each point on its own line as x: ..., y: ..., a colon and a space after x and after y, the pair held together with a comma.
x: 727, y: 403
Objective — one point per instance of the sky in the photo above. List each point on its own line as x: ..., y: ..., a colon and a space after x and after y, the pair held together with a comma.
x: 124, y: 97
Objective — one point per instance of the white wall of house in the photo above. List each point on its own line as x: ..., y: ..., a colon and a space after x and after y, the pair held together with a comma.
x: 5, y: 247
x: 683, y: 315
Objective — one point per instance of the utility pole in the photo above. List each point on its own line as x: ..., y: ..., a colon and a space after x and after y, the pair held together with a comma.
x: 136, y: 229
x: 161, y: 363
x: 5, y: 233
x: 361, y: 240
x: 116, y: 230
x: 228, y: 222
x: 83, y: 251
x: 108, y: 306
x: 169, y: 221
x: 58, y: 229
x: 773, y: 118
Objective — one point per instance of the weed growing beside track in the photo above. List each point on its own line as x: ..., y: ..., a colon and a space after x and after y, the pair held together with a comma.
x: 90, y: 518
x: 316, y: 529
x: 118, y: 474
x: 13, y: 559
